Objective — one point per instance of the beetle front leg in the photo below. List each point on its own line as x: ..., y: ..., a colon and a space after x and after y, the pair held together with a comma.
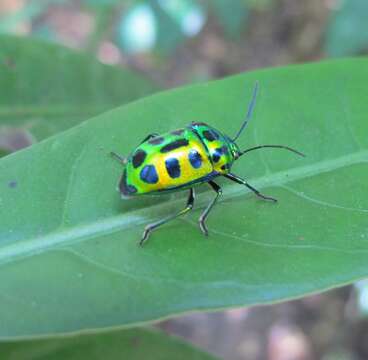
x: 241, y: 181
x: 205, y: 213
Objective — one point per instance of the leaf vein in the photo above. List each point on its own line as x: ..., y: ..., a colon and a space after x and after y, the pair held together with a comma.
x: 139, y: 217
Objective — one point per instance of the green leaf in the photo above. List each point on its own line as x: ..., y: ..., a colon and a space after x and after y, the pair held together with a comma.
x: 69, y: 258
x: 347, y: 29
x: 128, y: 344
x: 46, y: 88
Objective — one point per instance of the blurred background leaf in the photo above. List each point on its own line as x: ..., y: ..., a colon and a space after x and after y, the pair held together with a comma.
x: 46, y: 88
x: 28, y: 12
x: 160, y: 25
x: 362, y: 295
x: 232, y: 18
x: 347, y: 32
x: 135, y: 344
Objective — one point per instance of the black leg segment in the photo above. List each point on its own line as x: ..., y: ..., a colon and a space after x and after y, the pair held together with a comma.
x: 149, y: 228
x: 241, y: 181
x: 205, y: 213
x: 122, y: 160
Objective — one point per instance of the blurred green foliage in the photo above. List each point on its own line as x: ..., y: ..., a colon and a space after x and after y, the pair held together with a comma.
x: 31, y: 10
x: 173, y: 21
x: 135, y: 344
x: 233, y: 17
x: 347, y: 29
x: 47, y: 88
x: 170, y: 23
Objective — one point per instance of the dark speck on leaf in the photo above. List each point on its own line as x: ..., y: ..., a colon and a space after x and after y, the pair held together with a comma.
x: 9, y: 62
x: 135, y: 341
x: 12, y: 184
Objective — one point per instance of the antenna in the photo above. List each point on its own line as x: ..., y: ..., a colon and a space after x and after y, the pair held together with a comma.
x: 250, y: 111
x: 272, y: 146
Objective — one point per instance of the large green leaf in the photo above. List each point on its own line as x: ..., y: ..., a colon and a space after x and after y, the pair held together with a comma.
x: 127, y: 344
x: 46, y: 88
x: 68, y: 254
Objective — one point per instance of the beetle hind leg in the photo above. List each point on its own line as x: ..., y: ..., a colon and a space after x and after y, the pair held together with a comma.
x: 205, y: 213
x: 150, y: 227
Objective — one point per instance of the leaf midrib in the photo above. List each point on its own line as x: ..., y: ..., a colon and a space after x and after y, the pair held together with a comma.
x: 112, y: 224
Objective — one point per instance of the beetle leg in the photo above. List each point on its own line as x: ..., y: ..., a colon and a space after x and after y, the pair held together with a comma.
x: 119, y: 158
x: 150, y: 227
x: 241, y: 181
x: 205, y: 213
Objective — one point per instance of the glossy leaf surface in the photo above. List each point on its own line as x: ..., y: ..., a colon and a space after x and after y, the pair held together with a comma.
x: 68, y: 244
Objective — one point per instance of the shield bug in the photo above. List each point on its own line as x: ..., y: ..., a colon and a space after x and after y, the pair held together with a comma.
x: 182, y: 159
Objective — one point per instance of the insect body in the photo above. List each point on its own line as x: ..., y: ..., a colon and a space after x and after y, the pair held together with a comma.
x: 177, y: 160
x: 182, y: 159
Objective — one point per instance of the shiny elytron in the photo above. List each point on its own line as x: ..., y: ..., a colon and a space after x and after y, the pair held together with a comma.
x: 182, y: 159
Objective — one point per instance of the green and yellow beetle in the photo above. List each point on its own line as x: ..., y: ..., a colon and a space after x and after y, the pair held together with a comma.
x: 182, y: 159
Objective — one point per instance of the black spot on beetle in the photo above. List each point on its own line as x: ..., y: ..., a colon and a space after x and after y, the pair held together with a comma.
x: 178, y: 132
x: 221, y: 151
x: 224, y: 150
x: 157, y: 140
x: 149, y: 174
x: 225, y: 167
x: 124, y: 188
x: 174, y: 145
x: 210, y: 135
x: 131, y: 189
x: 216, y: 157
x: 195, y: 158
x: 138, y: 158
x: 173, y: 167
